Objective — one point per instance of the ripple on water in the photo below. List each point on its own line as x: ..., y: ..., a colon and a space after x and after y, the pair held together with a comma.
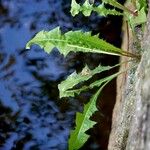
x: 30, y: 117
x: 28, y: 114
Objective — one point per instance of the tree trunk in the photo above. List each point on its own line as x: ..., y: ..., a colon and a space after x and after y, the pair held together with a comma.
x: 131, y: 115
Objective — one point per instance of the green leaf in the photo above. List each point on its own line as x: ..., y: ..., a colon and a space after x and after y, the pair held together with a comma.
x: 83, y: 123
x: 115, y: 4
x: 102, y: 11
x: 138, y: 20
x: 76, y: 41
x: 142, y: 7
x: 65, y: 87
x: 140, y: 14
x: 87, y: 9
x: 142, y: 4
x: 75, y: 8
x: 100, y: 82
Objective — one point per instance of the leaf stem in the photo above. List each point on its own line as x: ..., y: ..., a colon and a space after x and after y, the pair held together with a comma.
x: 128, y: 54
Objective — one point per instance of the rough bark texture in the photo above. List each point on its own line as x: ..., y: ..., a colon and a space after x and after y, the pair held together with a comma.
x: 131, y: 116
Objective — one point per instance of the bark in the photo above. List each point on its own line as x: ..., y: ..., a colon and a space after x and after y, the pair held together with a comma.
x: 131, y: 115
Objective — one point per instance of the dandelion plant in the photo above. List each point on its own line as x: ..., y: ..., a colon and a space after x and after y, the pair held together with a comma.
x: 79, y: 41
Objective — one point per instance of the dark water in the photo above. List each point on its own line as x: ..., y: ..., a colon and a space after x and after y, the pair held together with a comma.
x: 31, y: 115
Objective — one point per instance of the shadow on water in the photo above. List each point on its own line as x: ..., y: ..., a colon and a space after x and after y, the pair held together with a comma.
x: 31, y: 114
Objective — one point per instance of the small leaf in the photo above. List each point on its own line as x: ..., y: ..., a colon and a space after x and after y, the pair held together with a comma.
x: 75, y: 8
x: 138, y: 20
x: 76, y: 41
x: 100, y: 82
x: 141, y: 18
x: 83, y: 123
x: 114, y: 3
x: 65, y: 87
x: 142, y: 4
x: 101, y: 10
x: 87, y: 9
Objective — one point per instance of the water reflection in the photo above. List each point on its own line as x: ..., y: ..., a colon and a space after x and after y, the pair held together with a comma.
x: 31, y: 115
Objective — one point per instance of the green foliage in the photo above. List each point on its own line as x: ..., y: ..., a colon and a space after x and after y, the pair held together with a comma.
x: 79, y: 41
x: 87, y: 8
x: 137, y: 20
x: 141, y: 11
x: 78, y: 136
x: 140, y: 4
x: 76, y: 41
x: 133, y: 18
x: 116, y: 4
x: 65, y: 87
x: 83, y: 123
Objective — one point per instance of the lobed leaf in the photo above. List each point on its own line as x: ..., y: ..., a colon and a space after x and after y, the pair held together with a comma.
x: 76, y: 41
x: 100, y: 82
x: 65, y: 87
x: 75, y: 8
x: 87, y: 9
x: 115, y: 4
x: 141, y: 18
x: 78, y: 136
x: 138, y: 20
x: 142, y: 4
x: 83, y: 123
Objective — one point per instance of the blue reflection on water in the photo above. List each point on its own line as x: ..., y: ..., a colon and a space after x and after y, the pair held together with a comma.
x: 30, y: 116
